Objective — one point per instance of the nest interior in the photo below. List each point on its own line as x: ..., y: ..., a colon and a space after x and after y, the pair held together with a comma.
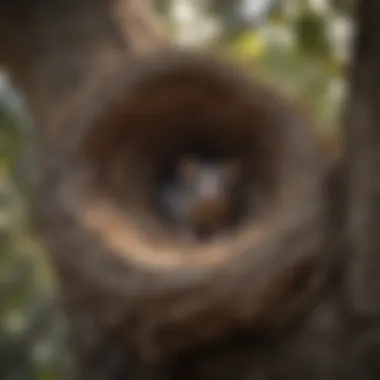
x: 191, y: 104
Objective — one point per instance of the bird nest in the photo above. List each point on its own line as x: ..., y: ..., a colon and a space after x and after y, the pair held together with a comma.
x: 105, y: 187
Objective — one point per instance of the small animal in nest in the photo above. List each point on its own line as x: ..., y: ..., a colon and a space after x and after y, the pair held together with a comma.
x: 201, y: 195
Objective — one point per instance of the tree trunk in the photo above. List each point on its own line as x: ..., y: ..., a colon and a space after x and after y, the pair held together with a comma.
x: 362, y: 137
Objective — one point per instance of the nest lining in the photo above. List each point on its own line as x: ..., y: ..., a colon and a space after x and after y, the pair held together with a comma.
x: 177, y: 111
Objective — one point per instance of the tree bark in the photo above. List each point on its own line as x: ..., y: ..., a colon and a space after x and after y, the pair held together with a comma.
x: 362, y: 138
